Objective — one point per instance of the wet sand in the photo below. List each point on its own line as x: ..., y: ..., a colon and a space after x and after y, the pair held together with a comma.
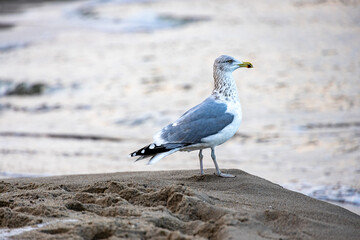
x: 166, y: 205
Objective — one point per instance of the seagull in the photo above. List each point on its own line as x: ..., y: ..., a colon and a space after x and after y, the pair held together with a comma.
x: 207, y: 125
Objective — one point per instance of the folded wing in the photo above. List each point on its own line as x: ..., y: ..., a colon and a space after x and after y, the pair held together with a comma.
x: 206, y: 119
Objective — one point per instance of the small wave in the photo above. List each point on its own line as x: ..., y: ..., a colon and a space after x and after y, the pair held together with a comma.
x: 21, y: 175
x: 337, y: 193
x: 143, y: 21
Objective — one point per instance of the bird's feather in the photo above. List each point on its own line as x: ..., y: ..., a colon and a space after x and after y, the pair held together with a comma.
x: 206, y: 119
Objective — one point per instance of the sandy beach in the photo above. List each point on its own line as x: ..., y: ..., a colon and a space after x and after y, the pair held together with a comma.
x: 166, y: 205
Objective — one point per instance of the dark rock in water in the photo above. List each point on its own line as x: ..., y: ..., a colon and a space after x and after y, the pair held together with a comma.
x: 18, y: 6
x: 11, y: 88
x: 27, y: 89
x: 4, y: 25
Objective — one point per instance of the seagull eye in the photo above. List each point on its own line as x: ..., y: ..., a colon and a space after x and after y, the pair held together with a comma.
x: 230, y: 61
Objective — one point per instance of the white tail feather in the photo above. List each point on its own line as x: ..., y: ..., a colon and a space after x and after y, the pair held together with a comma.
x: 159, y: 156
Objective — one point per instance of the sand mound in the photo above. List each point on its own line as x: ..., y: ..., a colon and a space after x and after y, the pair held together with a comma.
x: 163, y: 205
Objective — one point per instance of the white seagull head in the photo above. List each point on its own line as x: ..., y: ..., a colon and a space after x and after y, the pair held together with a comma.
x: 229, y: 64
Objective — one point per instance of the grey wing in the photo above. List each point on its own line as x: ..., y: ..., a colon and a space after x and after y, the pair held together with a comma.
x: 203, y: 120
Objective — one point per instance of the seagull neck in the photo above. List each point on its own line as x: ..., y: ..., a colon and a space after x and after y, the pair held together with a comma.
x: 225, y: 86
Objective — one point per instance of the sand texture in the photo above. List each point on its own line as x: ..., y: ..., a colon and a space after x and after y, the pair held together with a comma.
x: 166, y: 205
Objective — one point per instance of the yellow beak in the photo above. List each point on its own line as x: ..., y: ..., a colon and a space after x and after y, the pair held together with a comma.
x: 246, y: 64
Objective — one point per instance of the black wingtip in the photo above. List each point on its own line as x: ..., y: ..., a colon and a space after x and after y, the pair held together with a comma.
x: 153, y: 149
x: 148, y: 150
